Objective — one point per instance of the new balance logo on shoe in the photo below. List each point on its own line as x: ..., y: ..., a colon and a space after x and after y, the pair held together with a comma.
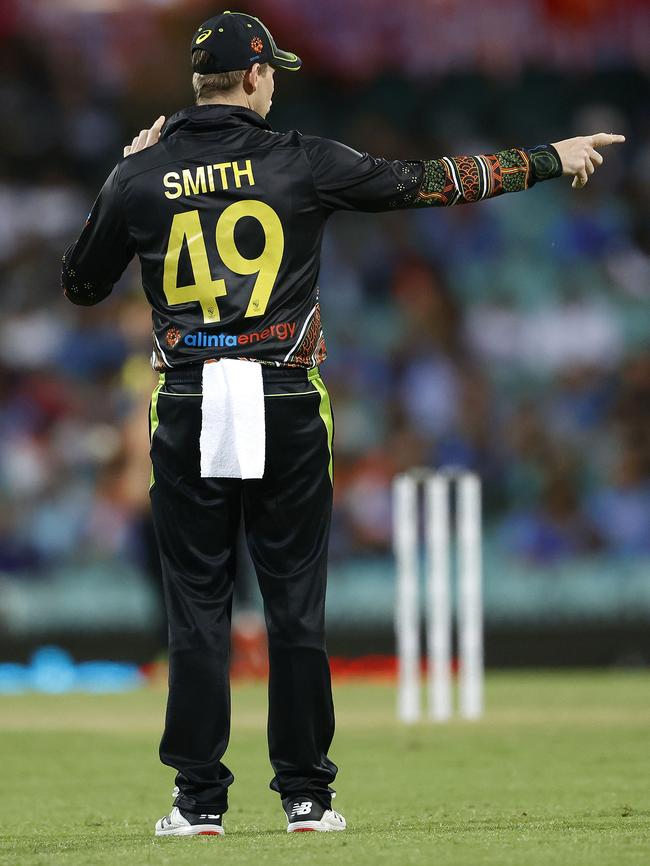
x: 306, y: 816
x: 180, y: 823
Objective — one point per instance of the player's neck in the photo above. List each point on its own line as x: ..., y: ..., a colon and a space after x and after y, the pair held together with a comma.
x: 224, y: 100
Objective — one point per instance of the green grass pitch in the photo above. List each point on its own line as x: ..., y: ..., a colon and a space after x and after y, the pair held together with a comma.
x: 556, y: 774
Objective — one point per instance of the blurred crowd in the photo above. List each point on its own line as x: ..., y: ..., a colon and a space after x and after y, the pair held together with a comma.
x: 511, y: 337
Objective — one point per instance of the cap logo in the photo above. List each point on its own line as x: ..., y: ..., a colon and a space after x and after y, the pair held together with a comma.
x: 203, y: 36
x: 257, y: 45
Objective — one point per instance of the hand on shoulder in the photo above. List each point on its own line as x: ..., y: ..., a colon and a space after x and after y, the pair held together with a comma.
x: 146, y: 138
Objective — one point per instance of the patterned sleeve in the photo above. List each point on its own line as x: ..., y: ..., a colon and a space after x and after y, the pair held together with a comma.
x: 345, y: 179
x: 464, y: 179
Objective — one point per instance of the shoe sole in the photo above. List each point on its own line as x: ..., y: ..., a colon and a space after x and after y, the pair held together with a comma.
x: 205, y: 830
x: 312, y: 827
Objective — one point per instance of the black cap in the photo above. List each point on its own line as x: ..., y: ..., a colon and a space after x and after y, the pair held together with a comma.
x: 236, y: 41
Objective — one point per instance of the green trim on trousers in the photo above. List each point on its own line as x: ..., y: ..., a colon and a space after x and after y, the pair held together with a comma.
x: 325, y: 411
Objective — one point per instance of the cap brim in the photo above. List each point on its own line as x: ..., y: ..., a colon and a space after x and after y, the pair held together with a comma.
x: 285, y: 60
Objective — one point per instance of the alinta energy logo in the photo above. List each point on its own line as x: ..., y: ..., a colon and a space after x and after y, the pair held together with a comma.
x: 206, y: 340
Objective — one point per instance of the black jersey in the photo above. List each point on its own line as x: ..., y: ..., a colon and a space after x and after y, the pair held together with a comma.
x: 227, y: 217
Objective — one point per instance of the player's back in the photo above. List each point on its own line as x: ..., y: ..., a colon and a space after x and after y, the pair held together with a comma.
x: 227, y: 224
x: 227, y: 218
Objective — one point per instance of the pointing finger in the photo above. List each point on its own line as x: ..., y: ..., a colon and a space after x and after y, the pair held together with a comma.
x: 603, y: 139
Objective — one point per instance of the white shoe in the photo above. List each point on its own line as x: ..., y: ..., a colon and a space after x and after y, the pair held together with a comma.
x: 304, y: 815
x: 181, y: 823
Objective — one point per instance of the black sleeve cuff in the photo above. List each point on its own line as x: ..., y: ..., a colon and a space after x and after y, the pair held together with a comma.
x: 545, y: 162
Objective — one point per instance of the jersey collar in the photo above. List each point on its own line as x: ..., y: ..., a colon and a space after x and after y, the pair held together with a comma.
x: 217, y: 116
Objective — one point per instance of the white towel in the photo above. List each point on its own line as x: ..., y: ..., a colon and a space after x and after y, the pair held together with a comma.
x: 233, y: 432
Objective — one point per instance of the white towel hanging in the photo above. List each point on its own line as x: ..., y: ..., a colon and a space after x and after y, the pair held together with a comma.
x: 233, y: 430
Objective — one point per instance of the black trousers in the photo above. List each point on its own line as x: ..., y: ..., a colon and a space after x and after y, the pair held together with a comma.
x: 287, y: 517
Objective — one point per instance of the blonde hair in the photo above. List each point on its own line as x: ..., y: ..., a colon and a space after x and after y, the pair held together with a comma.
x: 214, y: 84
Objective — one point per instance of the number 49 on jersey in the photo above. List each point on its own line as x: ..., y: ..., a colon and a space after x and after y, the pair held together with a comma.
x: 186, y: 228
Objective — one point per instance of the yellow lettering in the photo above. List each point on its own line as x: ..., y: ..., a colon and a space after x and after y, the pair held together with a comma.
x: 267, y: 264
x: 222, y: 166
x: 243, y: 172
x: 194, y: 181
x: 186, y: 228
x: 194, y: 184
x: 171, y: 181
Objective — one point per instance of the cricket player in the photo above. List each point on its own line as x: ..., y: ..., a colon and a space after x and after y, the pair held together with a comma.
x: 227, y: 218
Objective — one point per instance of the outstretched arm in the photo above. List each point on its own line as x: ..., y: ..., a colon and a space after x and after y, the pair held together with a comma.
x: 348, y: 180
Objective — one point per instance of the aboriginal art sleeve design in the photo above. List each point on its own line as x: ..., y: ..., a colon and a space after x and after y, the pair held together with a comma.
x: 345, y: 179
x: 464, y: 179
